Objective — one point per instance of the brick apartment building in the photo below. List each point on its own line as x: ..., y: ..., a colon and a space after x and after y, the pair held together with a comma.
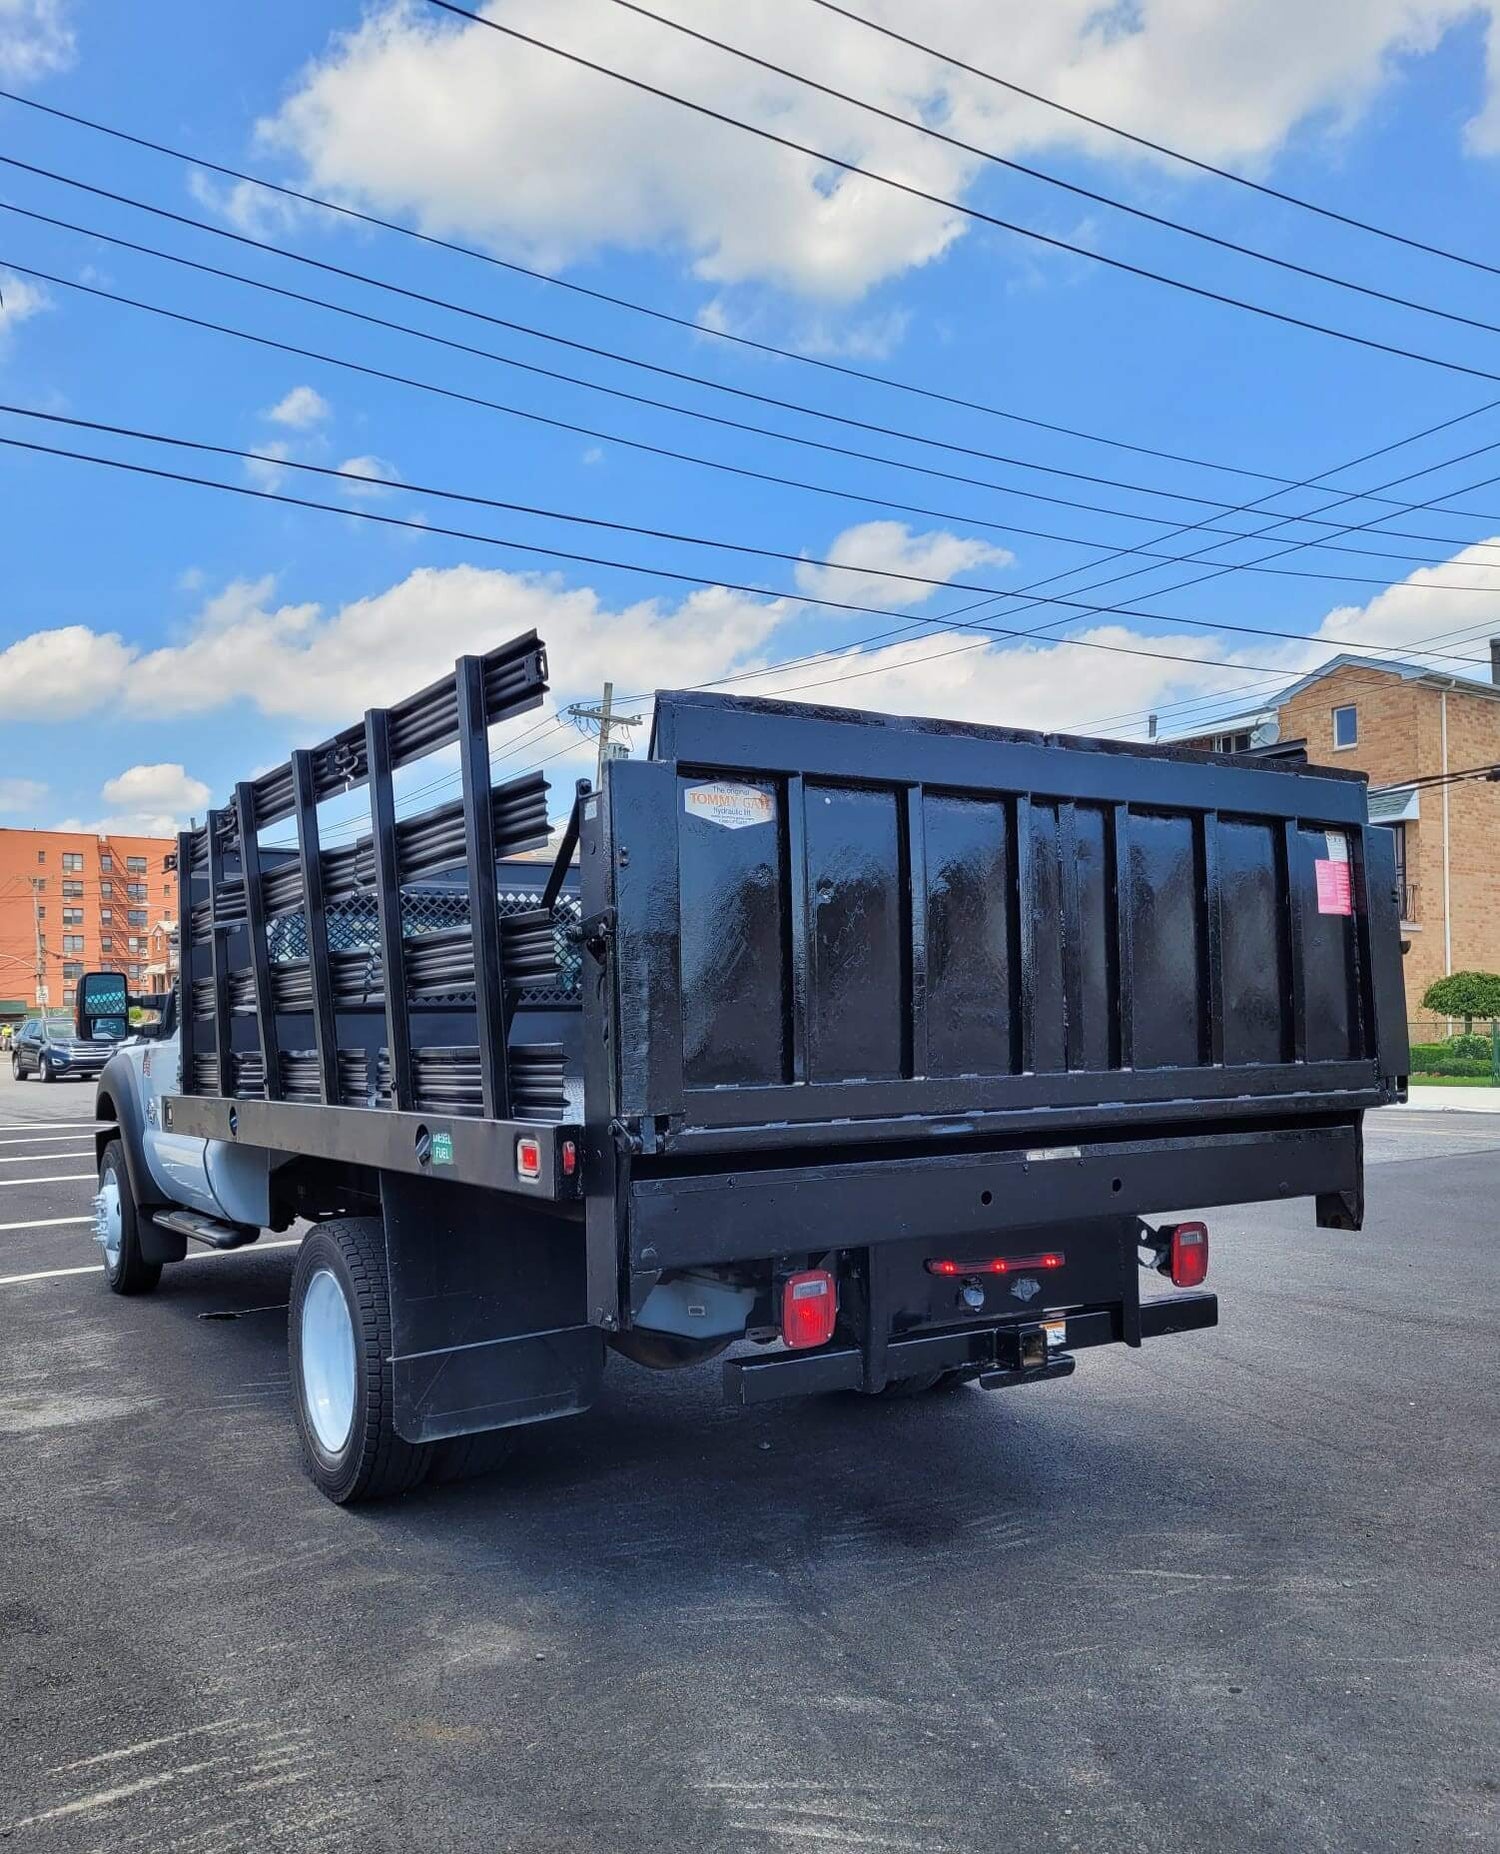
x: 70, y: 901
x: 1400, y: 723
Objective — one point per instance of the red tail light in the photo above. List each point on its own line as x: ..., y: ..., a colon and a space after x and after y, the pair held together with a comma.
x: 1188, y: 1262
x: 569, y: 1158
x: 809, y: 1307
x: 528, y: 1159
x: 1000, y: 1264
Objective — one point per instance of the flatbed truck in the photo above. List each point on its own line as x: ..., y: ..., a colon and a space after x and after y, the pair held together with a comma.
x: 871, y: 1053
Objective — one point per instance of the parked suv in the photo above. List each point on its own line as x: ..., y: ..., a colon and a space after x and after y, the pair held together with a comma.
x: 51, y: 1048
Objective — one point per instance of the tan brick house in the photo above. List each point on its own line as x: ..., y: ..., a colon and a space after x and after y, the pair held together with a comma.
x: 1400, y: 723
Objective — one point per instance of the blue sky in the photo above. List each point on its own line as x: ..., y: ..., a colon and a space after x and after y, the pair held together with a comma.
x: 158, y: 641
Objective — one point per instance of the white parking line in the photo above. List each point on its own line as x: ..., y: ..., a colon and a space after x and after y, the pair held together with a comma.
x: 40, y: 1139
x: 35, y: 1158
x: 54, y: 1178
x: 52, y: 1274
x: 42, y: 1223
x: 36, y: 1126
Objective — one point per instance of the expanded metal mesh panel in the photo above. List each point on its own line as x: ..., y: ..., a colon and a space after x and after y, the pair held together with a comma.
x: 446, y: 968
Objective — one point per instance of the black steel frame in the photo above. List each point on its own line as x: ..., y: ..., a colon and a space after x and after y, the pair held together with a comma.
x: 717, y: 735
x: 222, y: 865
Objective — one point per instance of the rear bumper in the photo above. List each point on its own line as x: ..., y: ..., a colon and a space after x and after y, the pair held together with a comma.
x: 998, y: 1354
x: 694, y: 1220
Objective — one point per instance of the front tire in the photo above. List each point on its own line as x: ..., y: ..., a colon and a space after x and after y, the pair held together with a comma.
x: 339, y: 1338
x: 16, y: 1070
x: 44, y: 1070
x: 118, y: 1229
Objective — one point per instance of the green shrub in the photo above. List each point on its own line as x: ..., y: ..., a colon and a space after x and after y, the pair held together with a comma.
x: 1432, y: 1059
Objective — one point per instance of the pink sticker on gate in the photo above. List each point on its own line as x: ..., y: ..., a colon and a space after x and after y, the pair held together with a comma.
x: 1334, y: 894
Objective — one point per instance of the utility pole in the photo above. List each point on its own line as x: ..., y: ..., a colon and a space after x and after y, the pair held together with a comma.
x: 608, y: 723
x: 41, y: 945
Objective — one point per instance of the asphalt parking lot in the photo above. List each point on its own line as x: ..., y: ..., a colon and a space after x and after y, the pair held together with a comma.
x: 1237, y: 1590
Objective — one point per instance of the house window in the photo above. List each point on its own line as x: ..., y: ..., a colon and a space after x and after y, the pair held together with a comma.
x: 72, y: 863
x: 69, y: 994
x: 106, y: 863
x: 136, y: 890
x: 72, y: 917
x: 137, y: 917
x: 72, y: 891
x: 106, y: 915
x: 136, y: 864
x: 73, y: 943
x: 1346, y: 726
x: 71, y: 970
x: 106, y: 945
x: 106, y: 889
x: 41, y: 856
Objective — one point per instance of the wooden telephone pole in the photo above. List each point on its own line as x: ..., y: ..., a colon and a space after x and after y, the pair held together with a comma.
x: 608, y: 723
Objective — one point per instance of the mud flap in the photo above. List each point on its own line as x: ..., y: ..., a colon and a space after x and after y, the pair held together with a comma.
x: 487, y: 1310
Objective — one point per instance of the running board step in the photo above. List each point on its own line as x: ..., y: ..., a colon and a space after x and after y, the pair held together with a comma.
x: 211, y: 1230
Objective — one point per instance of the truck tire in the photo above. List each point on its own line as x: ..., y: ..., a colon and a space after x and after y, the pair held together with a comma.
x: 339, y: 1340
x: 117, y: 1224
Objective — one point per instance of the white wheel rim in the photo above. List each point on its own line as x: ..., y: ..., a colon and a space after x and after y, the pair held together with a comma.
x: 109, y: 1226
x: 328, y: 1361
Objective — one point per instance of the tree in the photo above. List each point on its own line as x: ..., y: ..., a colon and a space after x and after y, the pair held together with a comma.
x: 1464, y: 994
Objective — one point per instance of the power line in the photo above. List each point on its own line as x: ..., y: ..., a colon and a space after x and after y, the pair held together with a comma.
x: 698, y: 329
x: 1055, y: 180
x: 579, y: 430
x: 970, y: 212
x: 688, y: 457
x: 676, y: 536
x: 1174, y: 154
x: 1425, y: 782
x: 557, y: 553
x: 526, y: 328
x: 673, y: 536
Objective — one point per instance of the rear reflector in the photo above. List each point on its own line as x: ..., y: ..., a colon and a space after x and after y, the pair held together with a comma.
x: 1188, y: 1261
x: 528, y: 1159
x: 1000, y: 1264
x: 569, y: 1158
x: 809, y: 1307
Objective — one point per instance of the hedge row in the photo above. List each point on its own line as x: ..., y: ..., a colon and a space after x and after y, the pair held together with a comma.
x: 1438, y: 1059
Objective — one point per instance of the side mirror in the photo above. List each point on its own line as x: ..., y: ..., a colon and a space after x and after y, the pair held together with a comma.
x: 103, y: 1006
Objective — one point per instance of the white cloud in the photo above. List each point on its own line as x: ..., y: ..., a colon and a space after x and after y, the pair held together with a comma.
x: 955, y: 675
x: 20, y: 299
x: 61, y: 673
x: 307, y: 667
x: 149, y: 801
x: 35, y: 40
x: 375, y: 471
x: 874, y: 549
x: 593, y: 455
x: 413, y: 114
x: 299, y: 661
x: 264, y: 470
x: 301, y: 407
x: 167, y: 786
x: 254, y: 209
x: 21, y: 794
